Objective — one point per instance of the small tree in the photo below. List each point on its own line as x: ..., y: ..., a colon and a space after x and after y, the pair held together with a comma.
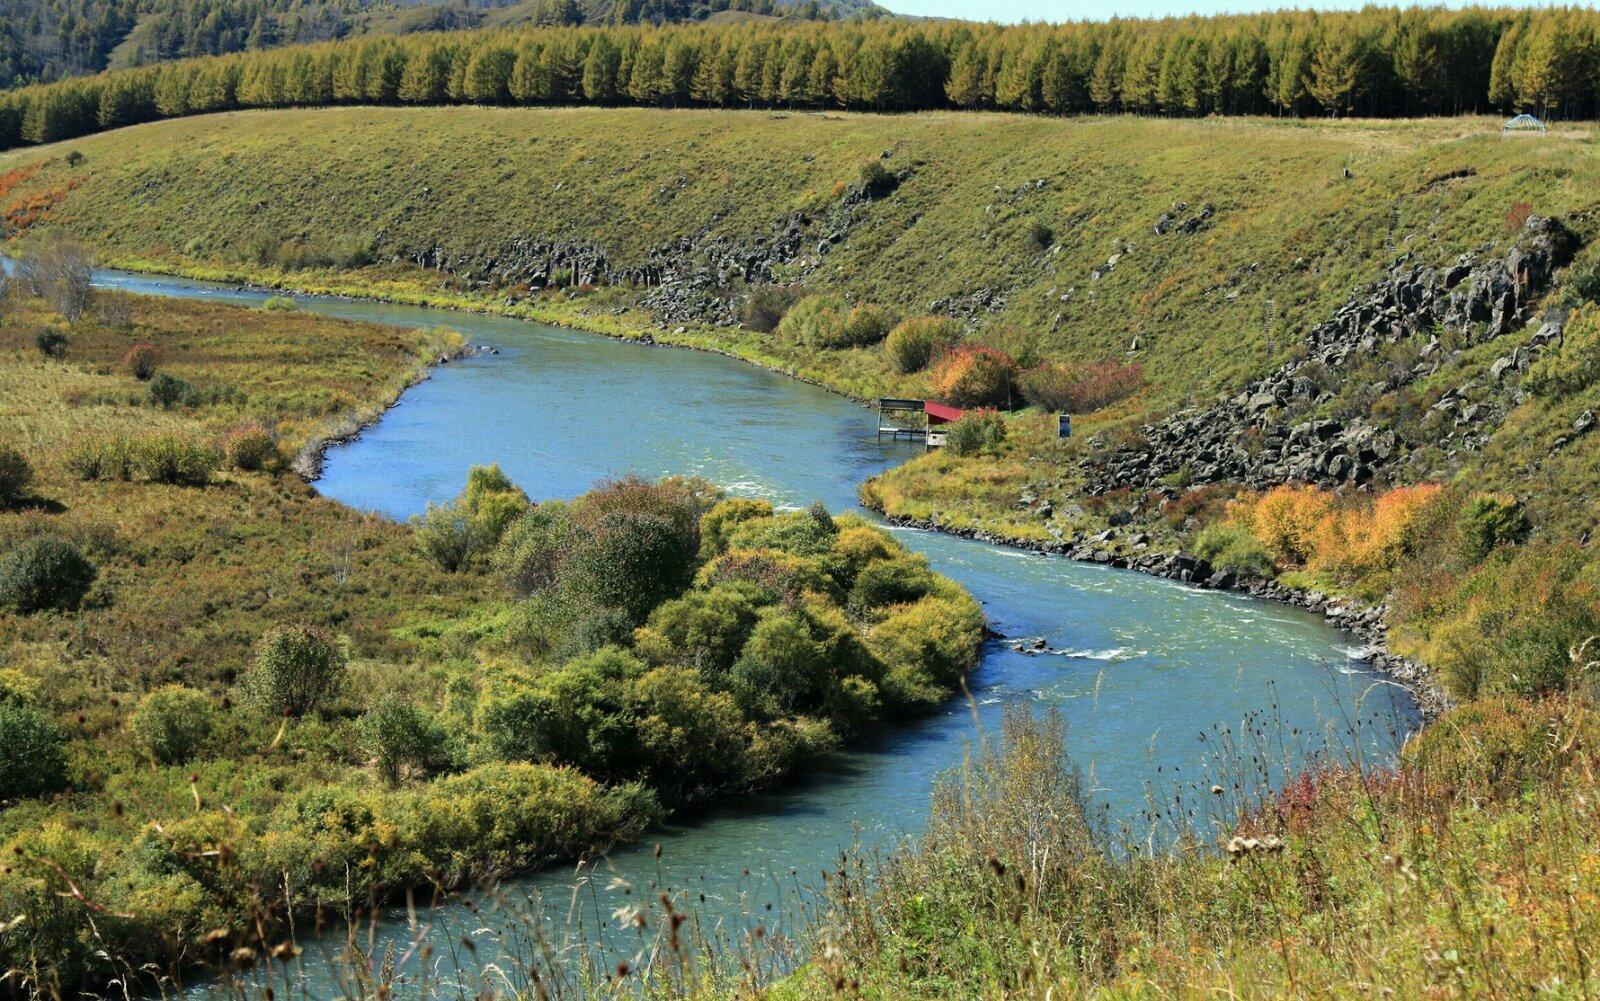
x: 404, y: 740
x: 172, y: 724
x: 58, y: 269
x: 15, y: 474
x: 297, y: 670
x: 44, y: 573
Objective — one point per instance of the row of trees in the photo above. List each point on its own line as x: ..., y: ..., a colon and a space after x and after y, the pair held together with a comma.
x: 46, y: 40
x: 1372, y: 62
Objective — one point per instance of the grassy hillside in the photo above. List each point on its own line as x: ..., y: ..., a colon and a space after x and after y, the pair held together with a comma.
x: 1039, y: 235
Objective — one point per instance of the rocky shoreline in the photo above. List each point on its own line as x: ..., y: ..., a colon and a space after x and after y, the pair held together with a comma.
x: 1365, y: 622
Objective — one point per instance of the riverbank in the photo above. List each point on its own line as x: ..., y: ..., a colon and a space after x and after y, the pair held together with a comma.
x: 308, y: 459
x: 155, y: 431
x: 627, y: 325
x: 1365, y: 622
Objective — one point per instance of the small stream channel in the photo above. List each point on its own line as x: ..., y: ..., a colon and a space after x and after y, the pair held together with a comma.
x: 1148, y: 665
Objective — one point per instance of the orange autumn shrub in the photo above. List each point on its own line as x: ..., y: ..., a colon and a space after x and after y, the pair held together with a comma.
x: 975, y: 375
x: 1287, y: 519
x: 1305, y: 526
x: 1370, y: 537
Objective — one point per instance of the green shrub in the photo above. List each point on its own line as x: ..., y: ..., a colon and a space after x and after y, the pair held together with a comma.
x: 1229, y: 546
x: 776, y: 576
x: 890, y: 582
x: 782, y: 668
x: 632, y: 545
x: 17, y: 687
x: 1037, y: 237
x: 454, y: 535
x: 875, y: 180
x: 703, y: 629
x: 166, y: 390
x: 530, y: 551
x: 916, y: 341
x: 1572, y: 366
x: 15, y: 474
x: 1488, y: 522
x: 1507, y: 623
x: 1503, y: 746
x: 578, y: 715
x: 251, y: 448
x: 858, y: 545
x: 814, y: 319
x: 493, y: 502
x: 927, y: 647
x: 801, y: 533
x: 172, y: 724
x: 142, y: 360
x: 766, y: 307
x: 296, y: 671
x: 975, y: 432
x: 175, y: 459
x: 106, y: 459
x: 865, y: 326
x: 31, y: 761
x: 717, y: 524
x: 279, y: 304
x: 44, y: 573
x: 446, y: 534
x: 828, y: 321
x: 404, y: 741
x: 51, y: 343
x: 630, y: 561
x: 691, y: 738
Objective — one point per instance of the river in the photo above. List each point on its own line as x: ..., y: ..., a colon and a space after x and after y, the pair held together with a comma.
x: 1149, y: 665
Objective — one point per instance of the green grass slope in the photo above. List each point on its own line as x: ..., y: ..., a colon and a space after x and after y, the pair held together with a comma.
x: 1301, y: 212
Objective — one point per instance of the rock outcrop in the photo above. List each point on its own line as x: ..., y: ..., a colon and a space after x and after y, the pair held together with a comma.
x: 696, y: 278
x: 1268, y: 434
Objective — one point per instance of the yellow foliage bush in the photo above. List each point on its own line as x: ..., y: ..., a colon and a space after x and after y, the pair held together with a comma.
x: 1287, y: 520
x: 1304, y: 526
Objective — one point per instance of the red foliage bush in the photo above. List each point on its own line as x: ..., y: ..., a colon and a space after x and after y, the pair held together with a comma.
x: 1081, y: 388
x: 141, y: 360
x: 1517, y: 217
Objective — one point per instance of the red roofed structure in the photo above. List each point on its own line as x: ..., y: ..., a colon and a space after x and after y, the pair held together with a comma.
x: 941, y: 413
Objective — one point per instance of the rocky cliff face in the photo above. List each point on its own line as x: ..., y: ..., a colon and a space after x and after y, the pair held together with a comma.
x: 1277, y: 430
x: 698, y: 277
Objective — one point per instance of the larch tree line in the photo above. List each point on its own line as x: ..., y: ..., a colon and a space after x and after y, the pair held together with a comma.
x: 1375, y: 62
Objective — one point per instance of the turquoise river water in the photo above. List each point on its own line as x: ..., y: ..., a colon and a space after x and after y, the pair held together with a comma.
x: 1147, y: 665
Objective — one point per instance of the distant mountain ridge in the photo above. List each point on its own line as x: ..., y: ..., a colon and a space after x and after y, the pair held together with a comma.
x: 44, y: 40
